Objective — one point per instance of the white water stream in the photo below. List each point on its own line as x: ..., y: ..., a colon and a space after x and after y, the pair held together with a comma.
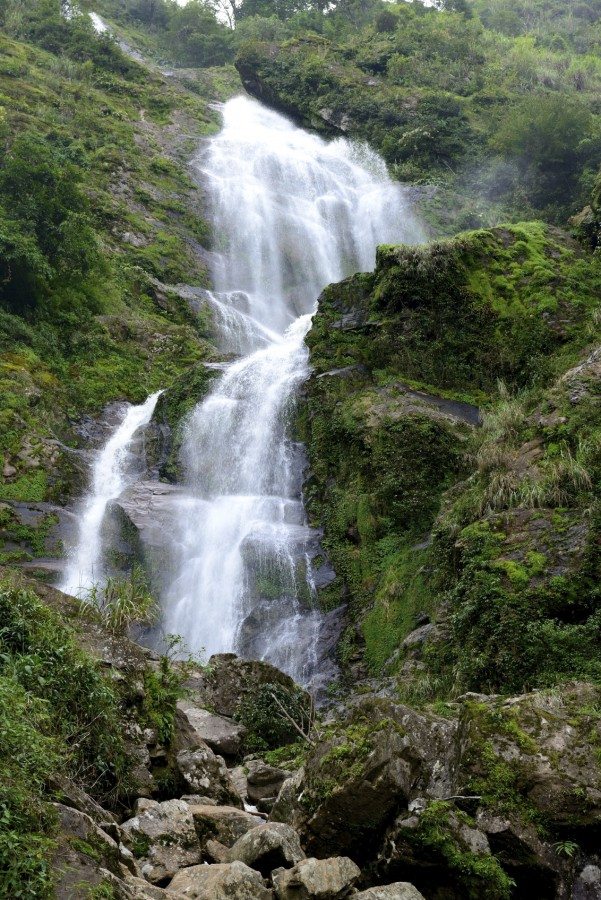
x: 291, y: 213
x: 111, y: 475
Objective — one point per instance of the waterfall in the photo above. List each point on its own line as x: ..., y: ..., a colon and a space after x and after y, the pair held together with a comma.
x: 111, y: 474
x: 290, y: 213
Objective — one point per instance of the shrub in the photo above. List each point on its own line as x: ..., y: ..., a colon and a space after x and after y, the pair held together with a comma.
x: 268, y: 726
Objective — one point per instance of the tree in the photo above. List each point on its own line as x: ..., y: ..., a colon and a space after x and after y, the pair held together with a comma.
x: 550, y: 138
x: 197, y: 37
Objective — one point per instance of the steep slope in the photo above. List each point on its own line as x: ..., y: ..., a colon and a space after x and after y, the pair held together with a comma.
x: 99, y: 144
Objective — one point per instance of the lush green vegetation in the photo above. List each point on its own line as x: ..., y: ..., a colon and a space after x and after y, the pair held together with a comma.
x: 95, y: 202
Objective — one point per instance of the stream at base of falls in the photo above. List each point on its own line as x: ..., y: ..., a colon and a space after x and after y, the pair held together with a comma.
x: 291, y: 213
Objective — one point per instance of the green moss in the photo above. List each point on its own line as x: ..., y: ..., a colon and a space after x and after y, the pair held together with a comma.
x: 28, y: 488
x: 291, y: 756
x: 173, y: 407
x: 478, y: 875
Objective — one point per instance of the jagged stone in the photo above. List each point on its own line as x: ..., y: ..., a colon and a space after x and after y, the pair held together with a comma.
x: 263, y: 780
x: 238, y: 776
x: 229, y: 881
x: 205, y: 773
x: 162, y: 836
x: 317, y: 879
x: 78, y: 826
x: 71, y: 795
x: 84, y: 854
x: 400, y: 890
x: 287, y: 807
x: 268, y: 847
x: 225, y: 824
x: 196, y: 726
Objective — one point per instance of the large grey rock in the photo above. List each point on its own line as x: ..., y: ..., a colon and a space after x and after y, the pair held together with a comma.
x: 79, y: 826
x: 268, y: 847
x: 196, y: 726
x: 546, y: 738
x: 401, y: 890
x: 263, y: 780
x: 372, y: 765
x: 225, y: 824
x: 140, y: 889
x: 287, y: 807
x: 317, y: 879
x: 163, y: 838
x: 229, y: 881
x: 71, y: 795
x: 84, y: 854
x: 206, y: 774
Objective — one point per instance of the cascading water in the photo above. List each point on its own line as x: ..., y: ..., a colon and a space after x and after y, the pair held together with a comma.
x: 112, y: 472
x: 291, y: 213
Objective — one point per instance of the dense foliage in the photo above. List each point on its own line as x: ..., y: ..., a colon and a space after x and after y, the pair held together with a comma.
x: 493, y: 530
x: 58, y: 715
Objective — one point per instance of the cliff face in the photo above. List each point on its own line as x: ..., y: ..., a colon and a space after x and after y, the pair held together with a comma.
x: 453, y: 435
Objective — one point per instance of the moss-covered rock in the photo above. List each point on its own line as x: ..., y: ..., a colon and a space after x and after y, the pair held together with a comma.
x: 406, y: 364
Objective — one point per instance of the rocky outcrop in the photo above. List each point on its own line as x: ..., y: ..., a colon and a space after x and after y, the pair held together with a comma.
x: 317, y: 879
x: 268, y: 847
x: 195, y: 725
x: 229, y: 881
x: 355, y: 781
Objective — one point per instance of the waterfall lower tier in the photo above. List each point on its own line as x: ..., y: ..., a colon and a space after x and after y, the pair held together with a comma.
x: 291, y: 213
